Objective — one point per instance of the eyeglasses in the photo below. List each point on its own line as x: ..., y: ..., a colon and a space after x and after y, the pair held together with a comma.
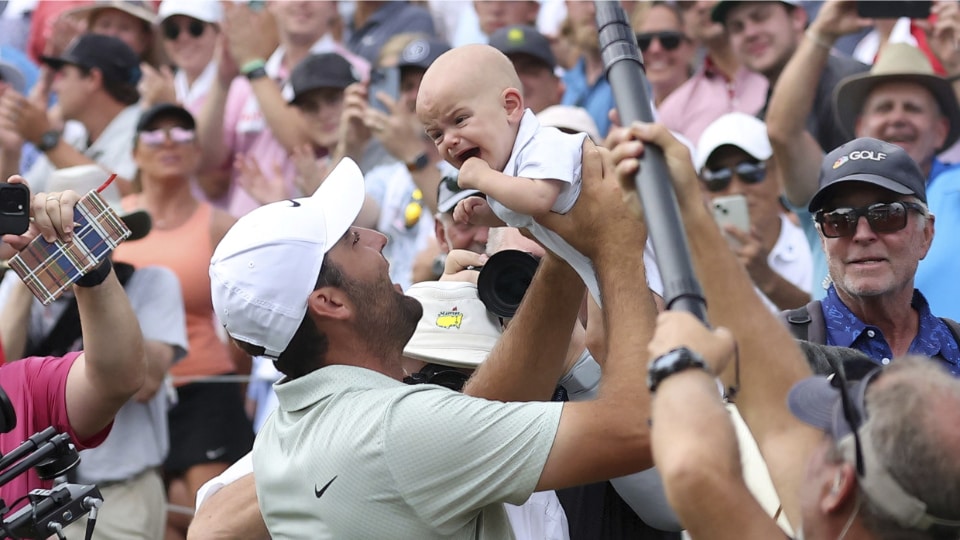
x: 439, y: 375
x: 668, y: 40
x: 171, y: 30
x: 882, y: 218
x: 158, y: 137
x: 749, y: 172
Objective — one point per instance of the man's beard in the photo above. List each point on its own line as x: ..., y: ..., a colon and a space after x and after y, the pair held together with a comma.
x: 388, y: 318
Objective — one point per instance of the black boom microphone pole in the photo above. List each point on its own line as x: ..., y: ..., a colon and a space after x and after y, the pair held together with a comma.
x: 624, y: 67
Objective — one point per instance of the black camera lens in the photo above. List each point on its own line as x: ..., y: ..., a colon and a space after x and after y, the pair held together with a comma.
x: 504, y: 279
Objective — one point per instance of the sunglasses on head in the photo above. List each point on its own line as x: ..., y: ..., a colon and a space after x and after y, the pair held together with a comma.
x: 882, y: 218
x: 158, y: 137
x: 171, y: 30
x: 668, y: 40
x: 749, y: 172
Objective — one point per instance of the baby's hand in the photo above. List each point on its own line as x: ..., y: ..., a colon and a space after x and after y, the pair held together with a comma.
x: 476, y: 211
x: 470, y: 173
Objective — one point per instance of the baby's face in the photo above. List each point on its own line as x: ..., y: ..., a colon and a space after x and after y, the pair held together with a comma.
x: 466, y: 122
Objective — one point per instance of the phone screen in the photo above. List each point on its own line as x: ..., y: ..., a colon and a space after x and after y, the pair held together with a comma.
x: 893, y: 9
x: 386, y: 81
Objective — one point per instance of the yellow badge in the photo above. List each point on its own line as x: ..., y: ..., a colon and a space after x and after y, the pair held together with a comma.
x: 449, y: 319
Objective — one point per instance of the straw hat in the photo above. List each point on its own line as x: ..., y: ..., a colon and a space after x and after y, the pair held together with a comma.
x: 898, y: 62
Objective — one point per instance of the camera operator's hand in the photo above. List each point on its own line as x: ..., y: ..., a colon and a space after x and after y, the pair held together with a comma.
x: 51, y: 216
x: 682, y: 329
x: 838, y: 18
x: 463, y: 265
x: 627, y: 145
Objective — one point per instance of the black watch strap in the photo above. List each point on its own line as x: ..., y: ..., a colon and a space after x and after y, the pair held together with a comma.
x: 672, y: 362
x: 419, y: 163
x: 49, y: 140
x: 257, y: 73
x: 96, y: 275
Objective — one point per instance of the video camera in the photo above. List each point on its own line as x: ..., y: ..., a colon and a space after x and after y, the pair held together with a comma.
x: 47, y: 511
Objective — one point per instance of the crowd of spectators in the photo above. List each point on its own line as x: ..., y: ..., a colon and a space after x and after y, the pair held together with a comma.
x: 799, y: 117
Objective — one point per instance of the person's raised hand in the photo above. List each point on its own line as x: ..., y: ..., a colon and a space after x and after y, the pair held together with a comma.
x: 20, y: 115
x: 599, y: 218
x: 51, y: 216
x: 838, y: 18
x: 628, y: 144
x: 398, y: 130
x: 263, y: 188
x: 475, y: 210
x: 227, y: 68
x: 354, y: 131
x: 156, y: 85
x: 682, y: 329
x: 244, y: 31
x: 944, y: 34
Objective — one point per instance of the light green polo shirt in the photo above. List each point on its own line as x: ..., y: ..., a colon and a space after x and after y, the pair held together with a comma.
x: 353, y: 454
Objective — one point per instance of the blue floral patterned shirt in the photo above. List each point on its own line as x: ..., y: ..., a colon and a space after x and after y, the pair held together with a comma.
x: 933, y: 339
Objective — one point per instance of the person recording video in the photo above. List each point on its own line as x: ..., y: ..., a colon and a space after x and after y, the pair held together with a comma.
x: 79, y: 393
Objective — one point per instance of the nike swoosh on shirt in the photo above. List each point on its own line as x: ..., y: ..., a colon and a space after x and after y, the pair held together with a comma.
x: 319, y: 492
x: 293, y: 203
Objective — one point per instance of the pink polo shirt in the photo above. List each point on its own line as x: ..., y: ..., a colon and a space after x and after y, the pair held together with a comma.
x: 37, y: 388
x: 708, y: 95
x: 245, y: 129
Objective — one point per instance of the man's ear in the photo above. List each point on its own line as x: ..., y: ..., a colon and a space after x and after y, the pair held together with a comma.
x: 330, y: 303
x: 843, y: 489
x: 513, y: 104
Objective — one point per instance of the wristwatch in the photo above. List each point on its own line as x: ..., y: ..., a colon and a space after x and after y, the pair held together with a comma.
x: 419, y: 163
x: 49, y: 140
x: 672, y: 362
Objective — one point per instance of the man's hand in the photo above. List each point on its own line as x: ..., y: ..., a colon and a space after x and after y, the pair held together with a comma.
x: 944, y: 36
x: 838, y: 18
x: 627, y: 147
x: 51, y: 216
x: 310, y: 173
x: 20, y: 115
x: 227, y: 68
x: 681, y: 329
x: 242, y: 29
x: 462, y: 265
x: 354, y: 132
x: 599, y: 213
x: 751, y: 253
x: 398, y: 130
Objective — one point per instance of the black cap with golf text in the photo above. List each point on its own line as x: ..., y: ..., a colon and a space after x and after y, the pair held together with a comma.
x: 114, y: 58
x: 871, y: 161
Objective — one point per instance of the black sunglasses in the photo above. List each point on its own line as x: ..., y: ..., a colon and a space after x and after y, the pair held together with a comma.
x: 668, y: 40
x: 439, y: 375
x: 749, y: 172
x: 171, y: 30
x: 882, y: 217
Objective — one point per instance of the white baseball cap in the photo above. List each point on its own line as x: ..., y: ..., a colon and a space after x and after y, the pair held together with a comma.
x: 569, y: 117
x: 456, y: 329
x: 742, y: 130
x: 268, y: 263
x: 203, y: 10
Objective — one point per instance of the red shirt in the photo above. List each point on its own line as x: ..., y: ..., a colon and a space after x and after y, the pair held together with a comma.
x: 37, y: 387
